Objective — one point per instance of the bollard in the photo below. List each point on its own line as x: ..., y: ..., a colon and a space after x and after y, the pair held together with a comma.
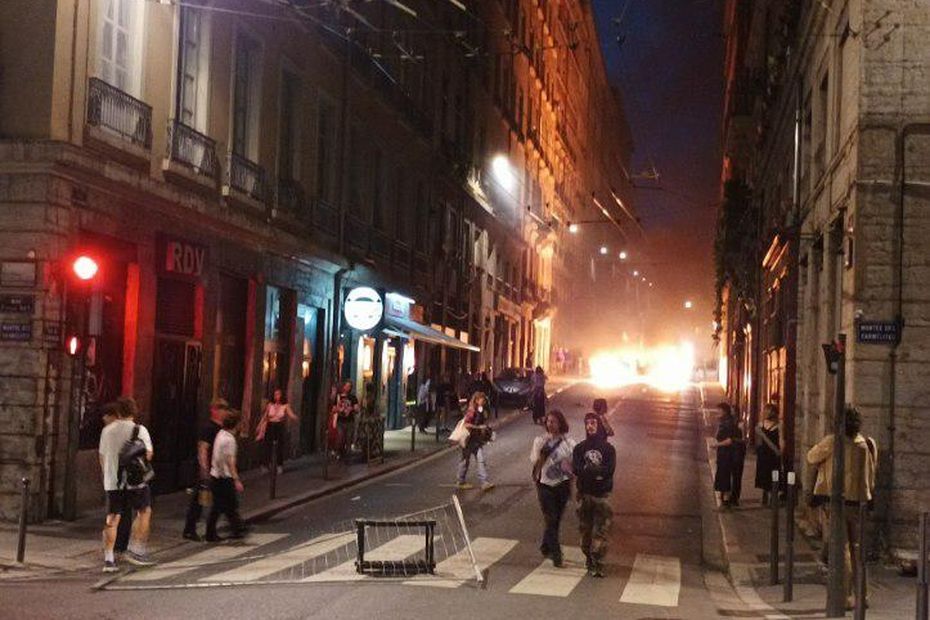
x: 859, y: 613
x: 923, y: 608
x: 273, y: 486
x: 773, y: 537
x: 789, y: 537
x: 23, y: 513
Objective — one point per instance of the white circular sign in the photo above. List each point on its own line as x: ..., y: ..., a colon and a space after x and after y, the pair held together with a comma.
x: 363, y: 308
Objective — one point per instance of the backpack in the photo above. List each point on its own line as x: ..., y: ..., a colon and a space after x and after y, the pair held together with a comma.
x: 134, y: 468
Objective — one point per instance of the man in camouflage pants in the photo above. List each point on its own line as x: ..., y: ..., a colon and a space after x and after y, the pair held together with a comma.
x: 594, y: 461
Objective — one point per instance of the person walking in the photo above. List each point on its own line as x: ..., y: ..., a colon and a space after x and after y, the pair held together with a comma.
x: 727, y: 433
x: 224, y: 480
x: 600, y: 408
x: 110, y: 413
x: 768, y: 450
x: 345, y: 411
x: 424, y: 405
x: 200, y: 494
x: 593, y: 463
x: 538, y: 395
x: 551, y: 456
x: 272, y: 429
x: 479, y: 434
x: 860, y: 455
x: 126, y: 483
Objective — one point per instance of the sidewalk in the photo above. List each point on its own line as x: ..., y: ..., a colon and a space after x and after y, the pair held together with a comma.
x: 744, y: 538
x: 56, y: 547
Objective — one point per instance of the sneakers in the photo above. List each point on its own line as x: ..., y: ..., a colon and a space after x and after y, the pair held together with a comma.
x: 280, y: 469
x: 109, y: 566
x: 487, y: 486
x: 596, y: 570
x: 193, y: 536
x: 557, y: 561
x: 139, y: 559
x: 464, y: 485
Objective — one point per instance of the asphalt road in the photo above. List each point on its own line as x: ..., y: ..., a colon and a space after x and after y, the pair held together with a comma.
x: 653, y: 566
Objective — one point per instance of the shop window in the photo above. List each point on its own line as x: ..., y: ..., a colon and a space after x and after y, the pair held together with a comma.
x: 230, y: 340
x: 280, y: 309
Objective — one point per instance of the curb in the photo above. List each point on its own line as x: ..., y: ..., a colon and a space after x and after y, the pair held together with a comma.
x: 713, y: 535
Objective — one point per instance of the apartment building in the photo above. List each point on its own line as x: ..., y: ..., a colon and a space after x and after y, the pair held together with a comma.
x: 234, y: 170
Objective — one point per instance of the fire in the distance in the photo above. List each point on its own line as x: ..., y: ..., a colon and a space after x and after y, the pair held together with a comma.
x: 668, y: 368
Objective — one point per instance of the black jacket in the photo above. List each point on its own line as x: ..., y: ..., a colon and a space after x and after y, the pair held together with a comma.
x: 594, y: 461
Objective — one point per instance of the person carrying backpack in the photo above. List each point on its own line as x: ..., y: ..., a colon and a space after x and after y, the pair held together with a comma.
x: 125, y: 459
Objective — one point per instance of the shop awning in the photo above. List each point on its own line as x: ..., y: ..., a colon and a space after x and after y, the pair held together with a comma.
x: 425, y: 333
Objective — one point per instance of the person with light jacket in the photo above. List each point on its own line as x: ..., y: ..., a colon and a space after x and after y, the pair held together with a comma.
x: 551, y: 456
x: 860, y: 458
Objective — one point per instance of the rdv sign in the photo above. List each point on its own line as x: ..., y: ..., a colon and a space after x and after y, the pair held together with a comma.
x: 184, y: 259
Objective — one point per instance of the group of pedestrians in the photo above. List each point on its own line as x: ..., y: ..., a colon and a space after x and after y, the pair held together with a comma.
x: 557, y: 462
x: 860, y: 464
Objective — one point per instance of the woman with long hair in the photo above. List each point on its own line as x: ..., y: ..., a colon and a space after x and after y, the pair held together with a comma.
x: 272, y: 428
x: 726, y: 438
x: 552, y: 472
x: 479, y: 434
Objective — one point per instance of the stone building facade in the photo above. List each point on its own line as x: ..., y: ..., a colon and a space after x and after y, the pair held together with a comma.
x: 826, y: 125
x: 235, y: 168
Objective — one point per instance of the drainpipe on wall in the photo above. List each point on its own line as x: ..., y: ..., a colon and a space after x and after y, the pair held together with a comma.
x: 791, y: 311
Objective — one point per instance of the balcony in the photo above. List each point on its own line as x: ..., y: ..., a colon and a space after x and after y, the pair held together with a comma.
x: 357, y: 235
x: 246, y: 183
x: 401, y: 257
x: 326, y: 219
x: 420, y: 265
x: 118, y: 123
x: 291, y: 201
x: 380, y: 246
x: 192, y: 159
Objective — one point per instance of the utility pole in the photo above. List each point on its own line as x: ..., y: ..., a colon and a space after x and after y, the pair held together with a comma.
x: 836, y: 592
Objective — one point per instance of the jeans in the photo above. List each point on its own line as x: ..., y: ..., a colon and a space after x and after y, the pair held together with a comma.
x: 275, y: 432
x: 552, y: 501
x: 594, y: 518
x: 225, y: 502
x: 194, y: 511
x: 479, y: 457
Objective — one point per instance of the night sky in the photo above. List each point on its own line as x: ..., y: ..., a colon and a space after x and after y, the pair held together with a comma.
x: 669, y: 68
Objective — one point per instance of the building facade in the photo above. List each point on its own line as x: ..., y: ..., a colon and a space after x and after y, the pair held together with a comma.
x: 826, y: 150
x: 235, y: 169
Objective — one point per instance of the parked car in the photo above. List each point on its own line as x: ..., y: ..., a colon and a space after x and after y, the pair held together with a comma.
x: 513, y: 387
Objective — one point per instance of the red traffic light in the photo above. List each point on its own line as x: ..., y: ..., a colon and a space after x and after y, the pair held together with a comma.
x: 84, y: 267
x: 73, y: 345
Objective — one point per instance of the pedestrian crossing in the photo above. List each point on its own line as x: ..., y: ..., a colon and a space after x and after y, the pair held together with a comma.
x: 653, y: 581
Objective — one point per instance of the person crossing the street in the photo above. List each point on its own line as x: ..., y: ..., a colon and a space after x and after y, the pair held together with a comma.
x: 225, y: 482
x: 479, y: 434
x: 593, y: 462
x: 200, y: 493
x: 552, y: 472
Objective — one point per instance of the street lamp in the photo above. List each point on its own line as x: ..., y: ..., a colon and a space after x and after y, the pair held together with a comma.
x: 688, y: 304
x: 635, y: 273
x: 503, y: 171
x: 603, y: 249
x: 623, y: 255
x: 573, y: 228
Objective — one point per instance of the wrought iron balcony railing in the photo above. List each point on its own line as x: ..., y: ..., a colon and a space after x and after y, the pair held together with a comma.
x: 290, y: 197
x: 114, y: 110
x: 326, y: 218
x: 193, y: 149
x: 247, y: 177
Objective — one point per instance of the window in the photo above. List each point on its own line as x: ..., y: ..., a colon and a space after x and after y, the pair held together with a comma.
x: 820, y: 130
x: 120, y: 44
x: 422, y: 216
x: 193, y: 43
x: 355, y: 171
x: 289, y: 138
x: 400, y: 206
x: 325, y: 151
x: 246, y: 76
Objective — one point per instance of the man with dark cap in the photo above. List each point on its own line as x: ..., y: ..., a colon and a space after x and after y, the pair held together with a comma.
x: 594, y: 461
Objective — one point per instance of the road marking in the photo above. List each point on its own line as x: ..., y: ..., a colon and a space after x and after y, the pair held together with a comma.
x: 548, y: 580
x: 218, y: 553
x: 398, y: 548
x: 457, y: 569
x: 655, y: 580
x: 258, y: 569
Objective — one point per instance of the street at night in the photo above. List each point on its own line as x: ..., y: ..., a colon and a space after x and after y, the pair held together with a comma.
x: 653, y: 566
x: 464, y: 308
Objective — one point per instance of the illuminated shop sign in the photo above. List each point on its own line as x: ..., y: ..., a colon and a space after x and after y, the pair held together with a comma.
x: 363, y: 308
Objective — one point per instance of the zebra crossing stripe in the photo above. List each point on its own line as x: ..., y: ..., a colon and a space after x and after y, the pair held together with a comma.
x: 547, y: 580
x: 457, y: 569
x: 305, y: 552
x: 397, y: 548
x: 218, y: 553
x: 655, y: 580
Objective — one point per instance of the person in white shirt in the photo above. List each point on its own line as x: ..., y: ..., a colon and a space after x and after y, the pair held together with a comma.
x: 120, y: 495
x: 552, y: 472
x: 272, y: 428
x: 225, y: 482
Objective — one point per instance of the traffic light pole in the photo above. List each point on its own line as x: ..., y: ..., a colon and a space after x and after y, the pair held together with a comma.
x: 836, y: 591
x: 78, y: 366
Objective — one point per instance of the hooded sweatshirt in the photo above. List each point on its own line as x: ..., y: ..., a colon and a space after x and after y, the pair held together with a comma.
x: 594, y: 461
